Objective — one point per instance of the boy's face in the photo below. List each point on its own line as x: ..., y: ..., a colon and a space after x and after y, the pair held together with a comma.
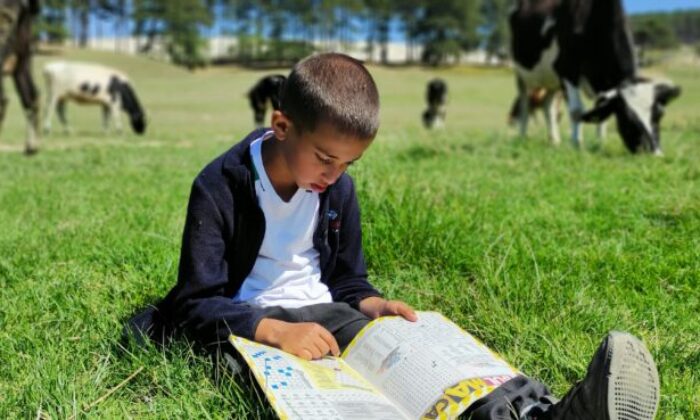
x: 316, y: 159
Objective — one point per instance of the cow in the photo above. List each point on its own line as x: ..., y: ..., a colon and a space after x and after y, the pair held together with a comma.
x: 16, y: 56
x: 266, y: 89
x: 86, y: 83
x: 585, y: 44
x: 436, y: 97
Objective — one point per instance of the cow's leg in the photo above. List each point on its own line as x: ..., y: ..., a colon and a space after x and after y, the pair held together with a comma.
x: 259, y: 115
x: 3, y: 104
x: 61, y: 112
x: 106, y: 116
x: 573, y: 99
x: 602, y: 130
x: 51, y: 101
x: 550, y: 116
x: 30, y: 101
x: 116, y: 117
x: 524, y: 107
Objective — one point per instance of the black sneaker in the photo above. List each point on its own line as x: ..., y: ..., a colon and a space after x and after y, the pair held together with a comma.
x: 621, y: 384
x: 146, y: 325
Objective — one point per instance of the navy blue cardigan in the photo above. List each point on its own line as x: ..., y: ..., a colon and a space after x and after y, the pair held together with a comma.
x: 223, y: 233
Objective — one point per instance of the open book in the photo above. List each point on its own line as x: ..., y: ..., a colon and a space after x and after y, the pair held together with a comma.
x: 393, y: 369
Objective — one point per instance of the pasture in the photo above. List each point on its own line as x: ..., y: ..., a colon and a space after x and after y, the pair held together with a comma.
x: 537, y: 250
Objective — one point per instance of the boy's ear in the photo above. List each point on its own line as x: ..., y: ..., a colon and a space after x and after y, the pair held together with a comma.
x: 281, y: 125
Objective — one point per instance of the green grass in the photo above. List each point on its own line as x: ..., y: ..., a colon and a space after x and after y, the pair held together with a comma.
x: 535, y: 249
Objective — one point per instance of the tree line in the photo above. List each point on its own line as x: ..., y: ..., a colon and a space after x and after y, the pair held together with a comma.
x: 281, y: 31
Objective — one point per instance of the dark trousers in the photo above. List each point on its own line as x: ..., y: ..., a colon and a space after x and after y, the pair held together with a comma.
x: 508, y: 401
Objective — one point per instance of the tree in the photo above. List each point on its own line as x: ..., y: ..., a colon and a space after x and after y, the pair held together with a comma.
x: 446, y: 28
x: 495, y: 13
x: 51, y: 24
x: 178, y: 24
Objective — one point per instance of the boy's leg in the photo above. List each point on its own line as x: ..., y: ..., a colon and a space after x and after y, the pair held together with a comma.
x: 621, y: 384
x: 509, y: 400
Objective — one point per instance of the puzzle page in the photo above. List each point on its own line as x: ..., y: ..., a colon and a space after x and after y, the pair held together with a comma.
x: 430, y: 368
x: 320, y: 389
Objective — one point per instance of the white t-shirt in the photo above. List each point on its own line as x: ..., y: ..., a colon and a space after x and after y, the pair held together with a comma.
x: 287, y: 271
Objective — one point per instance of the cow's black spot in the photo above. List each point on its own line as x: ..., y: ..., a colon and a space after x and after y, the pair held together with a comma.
x: 85, y: 87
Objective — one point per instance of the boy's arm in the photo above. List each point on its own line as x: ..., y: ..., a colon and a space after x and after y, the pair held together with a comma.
x: 202, y: 303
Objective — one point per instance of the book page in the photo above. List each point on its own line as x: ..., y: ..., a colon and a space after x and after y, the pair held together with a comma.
x: 321, y: 389
x: 430, y: 368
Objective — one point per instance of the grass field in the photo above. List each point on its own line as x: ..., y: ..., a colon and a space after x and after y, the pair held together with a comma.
x: 537, y: 250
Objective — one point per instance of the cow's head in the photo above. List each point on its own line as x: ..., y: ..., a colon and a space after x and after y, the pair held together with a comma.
x: 639, y: 107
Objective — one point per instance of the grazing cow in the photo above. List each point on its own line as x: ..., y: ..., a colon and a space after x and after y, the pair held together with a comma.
x: 585, y: 44
x: 267, y: 89
x: 15, y: 54
x: 91, y: 84
x: 436, y: 96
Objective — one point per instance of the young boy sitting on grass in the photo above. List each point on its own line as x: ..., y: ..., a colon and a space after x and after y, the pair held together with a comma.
x: 272, y: 251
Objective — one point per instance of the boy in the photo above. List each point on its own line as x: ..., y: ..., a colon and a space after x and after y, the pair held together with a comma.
x: 272, y: 249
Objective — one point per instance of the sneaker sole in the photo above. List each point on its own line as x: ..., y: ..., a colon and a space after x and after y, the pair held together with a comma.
x: 633, y: 387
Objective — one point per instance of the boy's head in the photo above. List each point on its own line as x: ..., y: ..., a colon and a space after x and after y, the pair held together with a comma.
x: 329, y: 114
x: 334, y: 89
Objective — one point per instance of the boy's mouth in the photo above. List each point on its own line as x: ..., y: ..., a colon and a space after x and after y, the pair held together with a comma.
x: 318, y: 188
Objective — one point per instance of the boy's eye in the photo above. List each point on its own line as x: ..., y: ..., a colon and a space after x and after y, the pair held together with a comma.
x: 325, y: 161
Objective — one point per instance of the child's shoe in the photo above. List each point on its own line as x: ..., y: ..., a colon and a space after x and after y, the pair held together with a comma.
x: 621, y: 384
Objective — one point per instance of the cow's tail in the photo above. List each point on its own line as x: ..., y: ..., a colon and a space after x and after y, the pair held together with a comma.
x: 132, y: 106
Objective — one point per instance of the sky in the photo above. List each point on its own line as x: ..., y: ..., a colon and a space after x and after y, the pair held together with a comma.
x: 631, y: 7
x: 641, y: 6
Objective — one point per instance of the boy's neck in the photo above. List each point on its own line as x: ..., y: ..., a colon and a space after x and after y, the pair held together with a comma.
x: 277, y: 171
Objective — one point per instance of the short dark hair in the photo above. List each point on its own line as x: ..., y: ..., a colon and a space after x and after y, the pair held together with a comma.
x: 332, y: 88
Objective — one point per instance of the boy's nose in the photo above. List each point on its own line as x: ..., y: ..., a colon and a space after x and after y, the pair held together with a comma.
x: 332, y: 175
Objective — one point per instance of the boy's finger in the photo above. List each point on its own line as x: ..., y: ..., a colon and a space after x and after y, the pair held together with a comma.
x: 407, y: 312
x: 306, y: 354
x: 332, y: 343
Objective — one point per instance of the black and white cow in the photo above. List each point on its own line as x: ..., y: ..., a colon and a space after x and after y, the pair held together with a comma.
x: 86, y: 83
x: 585, y: 44
x: 266, y: 89
x: 436, y: 97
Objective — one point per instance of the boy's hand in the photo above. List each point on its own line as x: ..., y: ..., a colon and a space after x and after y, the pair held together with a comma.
x: 375, y: 307
x: 307, y: 340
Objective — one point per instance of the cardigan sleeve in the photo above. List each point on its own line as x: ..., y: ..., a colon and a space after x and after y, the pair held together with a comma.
x: 348, y: 281
x: 202, y: 301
